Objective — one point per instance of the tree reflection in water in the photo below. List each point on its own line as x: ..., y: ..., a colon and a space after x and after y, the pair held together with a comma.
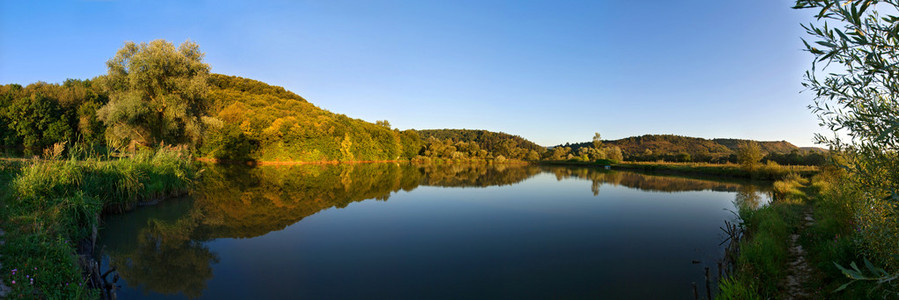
x: 648, y: 182
x: 170, y: 256
x: 166, y: 260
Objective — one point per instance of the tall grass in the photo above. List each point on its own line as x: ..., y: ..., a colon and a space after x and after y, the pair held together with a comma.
x: 761, y: 263
x: 763, y: 254
x: 789, y: 189
x: 842, y: 231
x: 52, y: 204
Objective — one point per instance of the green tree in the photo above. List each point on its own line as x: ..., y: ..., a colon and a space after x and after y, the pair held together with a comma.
x: 38, y: 121
x: 597, y: 141
x: 614, y: 153
x: 749, y: 153
x: 156, y: 94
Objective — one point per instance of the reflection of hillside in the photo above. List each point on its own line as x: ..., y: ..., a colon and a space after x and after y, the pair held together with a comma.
x: 246, y: 202
x: 476, y: 175
x: 642, y: 181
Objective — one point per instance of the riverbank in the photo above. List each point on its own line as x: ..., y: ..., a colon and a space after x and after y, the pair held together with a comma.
x: 770, y: 171
x: 52, y: 210
x: 792, y: 247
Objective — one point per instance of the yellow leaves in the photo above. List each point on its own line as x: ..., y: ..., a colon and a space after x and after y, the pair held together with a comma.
x: 234, y: 113
x: 279, y: 126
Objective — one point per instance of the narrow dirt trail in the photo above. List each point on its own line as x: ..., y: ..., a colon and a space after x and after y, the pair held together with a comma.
x: 799, y: 273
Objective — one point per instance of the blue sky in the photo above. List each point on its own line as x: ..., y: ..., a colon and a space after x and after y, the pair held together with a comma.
x: 550, y: 71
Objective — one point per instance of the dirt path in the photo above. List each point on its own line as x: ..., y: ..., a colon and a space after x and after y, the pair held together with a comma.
x: 799, y: 273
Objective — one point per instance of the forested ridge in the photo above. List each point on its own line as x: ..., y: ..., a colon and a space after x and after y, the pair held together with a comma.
x: 652, y: 147
x: 249, y: 119
x: 254, y: 120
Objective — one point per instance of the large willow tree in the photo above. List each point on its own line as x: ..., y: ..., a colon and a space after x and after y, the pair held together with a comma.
x: 156, y: 94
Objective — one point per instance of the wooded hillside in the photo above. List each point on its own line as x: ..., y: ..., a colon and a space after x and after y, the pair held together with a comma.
x: 251, y: 119
x: 682, y: 148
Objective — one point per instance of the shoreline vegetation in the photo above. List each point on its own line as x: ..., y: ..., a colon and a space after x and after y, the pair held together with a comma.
x: 53, y: 208
x: 802, y: 244
x: 769, y: 171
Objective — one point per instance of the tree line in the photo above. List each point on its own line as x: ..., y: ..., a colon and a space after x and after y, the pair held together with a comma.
x: 674, y: 148
x: 157, y: 94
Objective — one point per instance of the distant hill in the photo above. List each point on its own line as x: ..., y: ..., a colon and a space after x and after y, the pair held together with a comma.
x: 780, y: 147
x: 813, y: 149
x: 489, y: 140
x: 651, y: 147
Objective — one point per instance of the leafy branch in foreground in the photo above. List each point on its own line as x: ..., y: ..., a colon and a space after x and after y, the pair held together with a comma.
x: 878, y: 275
x: 858, y: 95
x: 857, y: 98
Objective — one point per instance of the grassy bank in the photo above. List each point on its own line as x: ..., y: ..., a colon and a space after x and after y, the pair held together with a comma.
x: 832, y: 229
x: 768, y: 171
x: 764, y: 251
x: 52, y: 207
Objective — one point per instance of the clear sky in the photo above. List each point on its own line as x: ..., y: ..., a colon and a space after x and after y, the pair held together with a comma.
x: 550, y: 71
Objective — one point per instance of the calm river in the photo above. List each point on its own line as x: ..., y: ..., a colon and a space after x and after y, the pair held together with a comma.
x: 389, y: 231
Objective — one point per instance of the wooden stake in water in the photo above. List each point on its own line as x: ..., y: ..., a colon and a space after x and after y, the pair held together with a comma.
x: 719, y: 270
x: 695, y: 292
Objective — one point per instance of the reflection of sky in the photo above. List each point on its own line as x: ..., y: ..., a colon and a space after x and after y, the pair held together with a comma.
x: 542, y: 237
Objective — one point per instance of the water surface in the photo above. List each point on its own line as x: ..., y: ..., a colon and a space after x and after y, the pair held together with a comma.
x: 404, y: 231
